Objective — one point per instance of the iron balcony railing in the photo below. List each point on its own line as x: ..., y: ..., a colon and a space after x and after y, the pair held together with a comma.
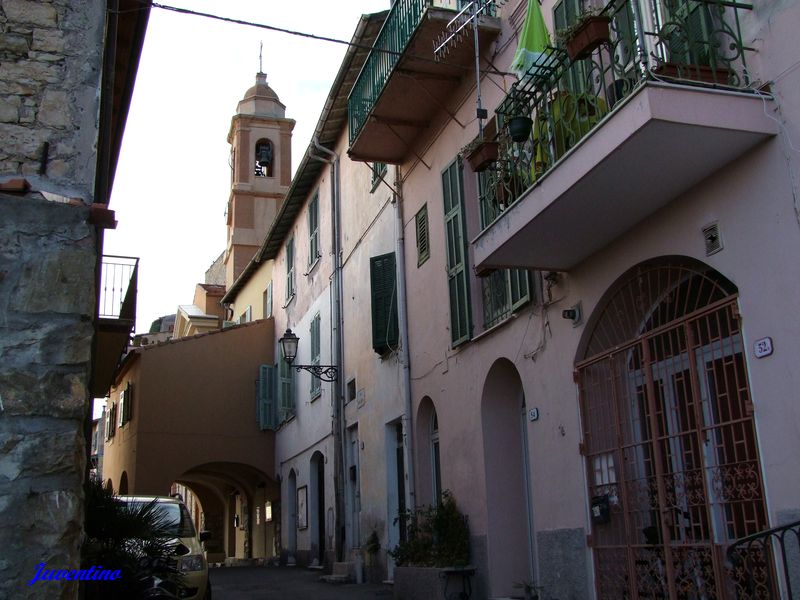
x: 118, y: 281
x: 398, y: 29
x: 767, y: 564
x: 689, y: 41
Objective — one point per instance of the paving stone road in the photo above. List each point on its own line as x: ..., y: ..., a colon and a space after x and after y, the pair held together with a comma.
x: 287, y: 583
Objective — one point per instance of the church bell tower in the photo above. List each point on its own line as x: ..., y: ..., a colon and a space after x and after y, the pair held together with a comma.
x: 261, y: 169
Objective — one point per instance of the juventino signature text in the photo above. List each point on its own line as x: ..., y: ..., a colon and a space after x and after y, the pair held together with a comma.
x: 93, y: 573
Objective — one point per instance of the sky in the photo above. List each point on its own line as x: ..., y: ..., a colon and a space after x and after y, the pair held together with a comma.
x: 173, y: 178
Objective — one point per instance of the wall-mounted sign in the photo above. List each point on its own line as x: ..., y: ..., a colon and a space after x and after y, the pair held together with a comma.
x: 762, y: 347
x: 533, y: 414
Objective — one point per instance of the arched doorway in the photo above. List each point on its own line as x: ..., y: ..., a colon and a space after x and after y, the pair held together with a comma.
x: 502, y: 409
x: 123, y: 484
x: 316, y: 507
x: 672, y: 460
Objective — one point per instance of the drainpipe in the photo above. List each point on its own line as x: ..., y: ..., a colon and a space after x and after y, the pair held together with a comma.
x: 403, y: 355
x: 337, y: 339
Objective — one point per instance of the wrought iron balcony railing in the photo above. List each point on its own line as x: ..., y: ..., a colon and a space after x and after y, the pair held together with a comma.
x: 752, y: 563
x: 689, y: 41
x: 398, y: 29
x: 118, y: 280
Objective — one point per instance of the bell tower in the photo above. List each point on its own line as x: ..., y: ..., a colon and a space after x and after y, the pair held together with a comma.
x: 261, y: 169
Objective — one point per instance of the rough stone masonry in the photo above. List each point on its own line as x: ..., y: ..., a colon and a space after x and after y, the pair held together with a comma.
x: 50, y: 70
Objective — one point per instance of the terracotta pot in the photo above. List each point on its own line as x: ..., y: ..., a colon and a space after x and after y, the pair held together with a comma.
x: 484, y: 154
x: 704, y: 73
x: 590, y: 35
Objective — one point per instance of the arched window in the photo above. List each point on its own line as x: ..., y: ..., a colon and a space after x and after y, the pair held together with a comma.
x: 264, y: 158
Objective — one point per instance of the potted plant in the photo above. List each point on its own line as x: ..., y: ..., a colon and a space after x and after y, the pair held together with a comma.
x: 588, y: 32
x: 434, y: 556
x: 519, y: 128
x: 481, y: 153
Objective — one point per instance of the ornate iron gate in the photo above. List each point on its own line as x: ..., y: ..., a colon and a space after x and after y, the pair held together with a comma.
x: 673, y: 468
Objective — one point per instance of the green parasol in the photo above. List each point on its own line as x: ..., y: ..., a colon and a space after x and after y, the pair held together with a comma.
x: 533, y: 41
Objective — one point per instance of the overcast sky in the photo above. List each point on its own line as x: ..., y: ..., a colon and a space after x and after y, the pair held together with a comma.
x: 173, y: 179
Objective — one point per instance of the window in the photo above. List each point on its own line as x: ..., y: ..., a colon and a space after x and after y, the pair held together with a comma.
x: 111, y: 421
x: 378, y: 171
x: 268, y: 300
x: 290, y: 269
x: 423, y: 238
x: 385, y: 332
x: 351, y: 390
x: 504, y: 290
x: 285, y: 389
x: 126, y: 404
x: 313, y: 230
x: 246, y: 316
x: 263, y: 158
x: 453, y: 191
x: 315, y: 352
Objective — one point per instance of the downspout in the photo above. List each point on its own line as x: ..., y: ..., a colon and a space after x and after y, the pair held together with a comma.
x: 403, y: 355
x: 337, y: 337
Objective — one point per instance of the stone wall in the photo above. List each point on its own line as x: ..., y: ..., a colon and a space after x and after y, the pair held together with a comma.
x: 47, y: 298
x: 50, y: 68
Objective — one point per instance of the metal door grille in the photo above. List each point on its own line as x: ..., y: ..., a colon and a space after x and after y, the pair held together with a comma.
x: 670, y: 444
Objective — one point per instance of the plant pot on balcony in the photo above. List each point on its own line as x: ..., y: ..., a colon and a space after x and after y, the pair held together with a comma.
x: 702, y: 73
x: 519, y: 128
x: 587, y: 36
x: 482, y: 155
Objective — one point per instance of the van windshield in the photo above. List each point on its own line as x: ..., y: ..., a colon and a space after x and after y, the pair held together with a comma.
x: 180, y: 523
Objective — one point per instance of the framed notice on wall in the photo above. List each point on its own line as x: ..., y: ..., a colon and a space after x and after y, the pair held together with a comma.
x: 302, y: 507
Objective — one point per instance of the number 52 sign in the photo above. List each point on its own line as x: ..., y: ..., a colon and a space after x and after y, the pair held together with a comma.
x: 762, y: 347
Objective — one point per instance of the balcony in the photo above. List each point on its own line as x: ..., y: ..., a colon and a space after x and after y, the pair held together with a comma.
x: 116, y: 318
x: 402, y: 86
x: 620, y: 133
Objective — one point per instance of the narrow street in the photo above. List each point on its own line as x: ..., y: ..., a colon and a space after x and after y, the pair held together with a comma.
x: 279, y: 583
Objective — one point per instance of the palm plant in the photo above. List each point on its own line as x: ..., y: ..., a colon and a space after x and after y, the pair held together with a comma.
x: 136, y: 539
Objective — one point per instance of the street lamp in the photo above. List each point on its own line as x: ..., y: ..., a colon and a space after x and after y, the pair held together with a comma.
x: 289, y: 343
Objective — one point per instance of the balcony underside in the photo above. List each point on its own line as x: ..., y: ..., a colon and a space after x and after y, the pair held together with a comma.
x: 662, y: 141
x: 112, y: 340
x: 418, y: 88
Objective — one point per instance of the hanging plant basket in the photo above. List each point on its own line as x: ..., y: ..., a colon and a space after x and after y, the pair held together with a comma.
x: 519, y: 128
x: 483, y: 154
x: 587, y: 36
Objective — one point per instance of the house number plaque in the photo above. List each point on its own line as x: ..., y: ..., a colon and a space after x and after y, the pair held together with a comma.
x: 762, y: 347
x: 533, y: 414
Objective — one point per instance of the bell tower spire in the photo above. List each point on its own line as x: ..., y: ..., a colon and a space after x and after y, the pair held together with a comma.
x: 261, y: 162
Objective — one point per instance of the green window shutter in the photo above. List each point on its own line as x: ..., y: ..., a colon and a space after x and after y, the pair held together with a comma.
x: 313, y: 230
x: 289, y: 269
x: 453, y: 192
x: 285, y: 390
x: 268, y: 301
x: 265, y: 400
x: 315, y: 352
x: 385, y: 331
x: 378, y: 171
x: 423, y: 235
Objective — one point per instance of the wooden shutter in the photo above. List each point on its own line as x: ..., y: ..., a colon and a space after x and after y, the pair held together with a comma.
x: 285, y: 390
x: 265, y: 400
x: 423, y: 237
x: 289, y: 269
x: 453, y: 191
x: 315, y: 352
x: 313, y: 230
x: 385, y: 332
